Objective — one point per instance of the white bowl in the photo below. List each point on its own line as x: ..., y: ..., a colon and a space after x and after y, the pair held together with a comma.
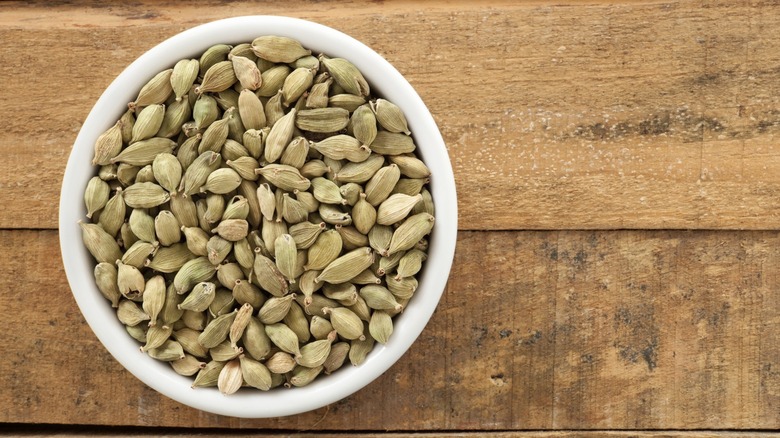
x: 385, y: 81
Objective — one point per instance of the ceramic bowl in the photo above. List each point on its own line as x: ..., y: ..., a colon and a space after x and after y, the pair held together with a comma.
x: 386, y: 81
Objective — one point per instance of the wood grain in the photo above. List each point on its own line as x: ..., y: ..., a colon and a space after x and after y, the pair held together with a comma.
x: 536, y: 331
x: 593, y: 115
x: 524, y: 434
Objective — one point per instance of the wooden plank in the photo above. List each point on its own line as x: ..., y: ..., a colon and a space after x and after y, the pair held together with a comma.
x: 536, y: 331
x: 24, y: 432
x: 595, y: 115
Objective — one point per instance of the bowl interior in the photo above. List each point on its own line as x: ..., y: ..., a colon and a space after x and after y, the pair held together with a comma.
x: 387, y: 82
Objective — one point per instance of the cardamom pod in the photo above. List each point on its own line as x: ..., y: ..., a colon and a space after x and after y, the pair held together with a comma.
x: 213, y: 55
x: 351, y: 192
x: 341, y: 146
x: 322, y: 119
x: 324, y: 251
x: 156, y: 91
x: 326, y: 191
x: 217, y: 330
x: 154, y: 298
x: 278, y: 49
x: 297, y: 322
x: 381, y: 326
x: 245, y: 292
x: 349, y: 102
x: 197, y: 173
x: 280, y: 363
x: 221, y: 181
x: 183, y: 77
x: 130, y: 314
x: 254, y: 141
x: 346, y: 75
x: 144, y: 152
x: 204, y: 111
x: 214, y: 136
x: 193, y: 272
x: 130, y: 281
x: 106, y: 281
x: 113, y: 214
x: 247, y: 72
x: 314, y: 354
x: 410, y: 167
x: 209, y: 375
x: 218, y: 77
x: 200, y: 298
x: 171, y: 314
x: 167, y: 228
x: 187, y: 366
x: 256, y: 342
x: 351, y: 237
x: 172, y: 258
x: 402, y: 288
x: 345, y: 322
x: 100, y: 244
x: 410, y: 232
x: 313, y: 168
x: 296, y: 83
x: 275, y: 309
x: 108, y: 145
x: 347, y: 266
x: 381, y: 184
x: 286, y: 256
x: 284, y: 177
x: 336, y: 358
x: 167, y: 352
x: 364, y: 215
x: 364, y: 125
x: 379, y: 298
x: 251, y: 110
x: 390, y: 116
x: 267, y: 276
x: 232, y: 230
x: 255, y: 374
x: 240, y: 323
x: 305, y: 233
x: 318, y: 95
x: 296, y: 152
x: 167, y: 171
x: 280, y: 136
x: 272, y: 82
x: 359, y: 349
x: 230, y: 378
x: 302, y: 376
x: 391, y: 143
x: 145, y: 195
x: 284, y: 338
x: 396, y: 207
x: 245, y: 50
x: 320, y: 328
x: 156, y: 336
x: 148, y: 122
x: 96, y: 195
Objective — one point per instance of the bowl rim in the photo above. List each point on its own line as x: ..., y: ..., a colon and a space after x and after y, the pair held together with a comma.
x: 102, y: 319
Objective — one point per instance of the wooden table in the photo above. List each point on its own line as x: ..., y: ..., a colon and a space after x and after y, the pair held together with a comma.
x: 619, y: 184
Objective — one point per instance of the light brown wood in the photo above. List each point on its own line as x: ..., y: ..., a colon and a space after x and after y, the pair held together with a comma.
x: 537, y: 330
x: 582, y: 115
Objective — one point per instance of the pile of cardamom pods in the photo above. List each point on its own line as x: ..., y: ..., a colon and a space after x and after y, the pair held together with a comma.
x: 258, y: 216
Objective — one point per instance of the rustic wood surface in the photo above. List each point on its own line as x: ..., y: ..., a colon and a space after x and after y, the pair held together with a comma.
x: 608, y: 125
x: 130, y: 433
x: 595, y: 115
x: 563, y: 330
